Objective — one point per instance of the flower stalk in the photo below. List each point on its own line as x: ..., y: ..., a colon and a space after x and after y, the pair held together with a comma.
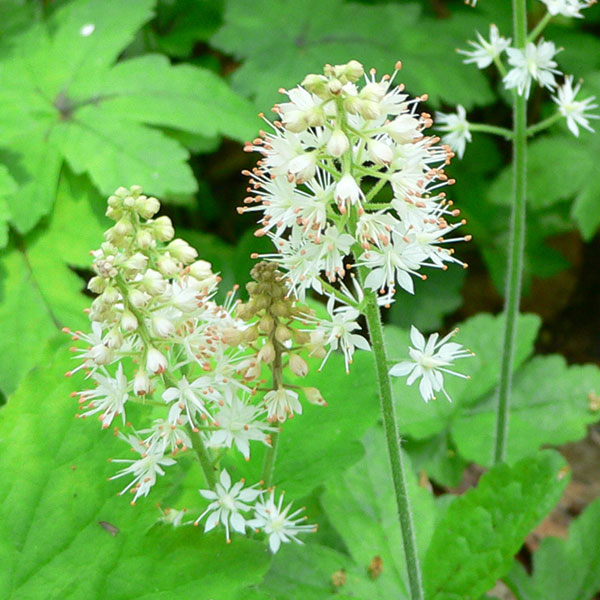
x: 516, y: 245
x: 394, y: 446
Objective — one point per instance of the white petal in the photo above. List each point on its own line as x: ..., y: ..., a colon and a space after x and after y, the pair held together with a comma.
x: 401, y: 369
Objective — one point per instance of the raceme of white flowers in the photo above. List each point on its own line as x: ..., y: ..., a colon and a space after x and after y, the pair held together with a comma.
x: 160, y: 342
x: 534, y: 63
x: 349, y: 181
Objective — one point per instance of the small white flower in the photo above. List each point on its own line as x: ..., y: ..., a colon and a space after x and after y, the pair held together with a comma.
x: 168, y: 437
x: 144, y: 470
x: 108, y: 398
x: 228, y: 504
x: 347, y: 192
x: 535, y: 62
x: 282, y: 404
x: 275, y: 521
x: 567, y: 8
x: 238, y: 423
x: 485, y: 52
x: 156, y: 361
x: 575, y: 111
x: 429, y: 360
x: 457, y: 126
x: 185, y: 398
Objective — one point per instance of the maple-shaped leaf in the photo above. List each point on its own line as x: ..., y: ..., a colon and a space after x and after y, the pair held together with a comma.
x: 62, y: 97
x: 280, y: 42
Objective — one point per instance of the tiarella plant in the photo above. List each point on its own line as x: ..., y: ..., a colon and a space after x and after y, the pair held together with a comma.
x: 531, y: 59
x: 161, y: 342
x: 350, y: 190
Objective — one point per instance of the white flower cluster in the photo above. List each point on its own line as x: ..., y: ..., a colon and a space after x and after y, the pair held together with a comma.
x: 348, y: 170
x: 534, y: 62
x: 159, y: 340
x: 230, y: 504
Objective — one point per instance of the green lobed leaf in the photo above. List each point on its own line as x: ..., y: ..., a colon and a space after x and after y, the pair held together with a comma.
x: 323, y: 440
x: 302, y: 37
x: 474, y: 543
x: 39, y: 292
x: 564, y: 569
x: 62, y: 98
x: 362, y: 507
x: 57, y: 510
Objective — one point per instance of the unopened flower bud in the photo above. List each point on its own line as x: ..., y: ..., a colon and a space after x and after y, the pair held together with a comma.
x: 141, y: 383
x: 232, y: 337
x: 129, y: 201
x: 300, y: 337
x: 250, y: 335
x: 123, y: 227
x: 114, y: 213
x: 163, y: 327
x: 182, y: 251
x: 267, y: 353
x: 114, y: 201
x: 334, y: 86
x: 281, y: 309
x: 129, y: 322
x: 153, y: 283
x: 138, y: 298
x: 122, y: 192
x: 354, y: 70
x: 298, y: 365
x: 380, y: 153
x: 155, y: 361
x: 110, y: 295
x: 114, y: 339
x: 135, y: 190
x: 313, y: 395
x: 370, y: 110
x: 282, y: 333
x: 144, y: 239
x: 163, y: 229
x: 266, y: 324
x: 137, y: 262
x: 201, y: 269
x: 185, y: 300
x: 147, y: 207
x: 315, y: 117
x: 295, y: 121
x: 338, y: 143
x: 316, y: 84
x: 373, y: 92
x: 97, y: 284
x: 167, y: 266
x: 101, y: 354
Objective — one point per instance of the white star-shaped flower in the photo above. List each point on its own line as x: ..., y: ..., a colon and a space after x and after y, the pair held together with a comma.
x: 575, y: 111
x: 485, y: 52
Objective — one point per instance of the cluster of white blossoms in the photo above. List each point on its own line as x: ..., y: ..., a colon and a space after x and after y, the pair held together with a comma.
x: 536, y: 62
x: 190, y: 365
x: 348, y: 178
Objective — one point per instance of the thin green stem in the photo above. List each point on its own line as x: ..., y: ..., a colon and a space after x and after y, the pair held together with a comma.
x: 271, y: 454
x: 484, y: 128
x: 516, y: 245
x: 339, y: 295
x: 539, y: 27
x: 543, y: 124
x: 500, y: 66
x: 393, y: 444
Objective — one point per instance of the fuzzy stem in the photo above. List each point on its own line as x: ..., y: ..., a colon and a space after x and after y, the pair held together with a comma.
x: 271, y: 454
x: 543, y: 124
x: 516, y: 245
x: 393, y: 444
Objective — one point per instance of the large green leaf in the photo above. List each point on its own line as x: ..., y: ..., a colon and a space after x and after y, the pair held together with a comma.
x: 58, y: 514
x: 549, y: 405
x: 475, y: 541
x: 323, y: 441
x: 39, y: 292
x: 361, y: 505
x: 564, y: 569
x: 281, y: 42
x: 62, y: 98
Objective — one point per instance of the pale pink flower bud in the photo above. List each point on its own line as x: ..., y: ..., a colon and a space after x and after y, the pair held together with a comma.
x: 128, y: 321
x: 338, y: 143
x: 141, y: 383
x: 267, y: 353
x: 313, y: 395
x: 155, y: 361
x: 298, y: 365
